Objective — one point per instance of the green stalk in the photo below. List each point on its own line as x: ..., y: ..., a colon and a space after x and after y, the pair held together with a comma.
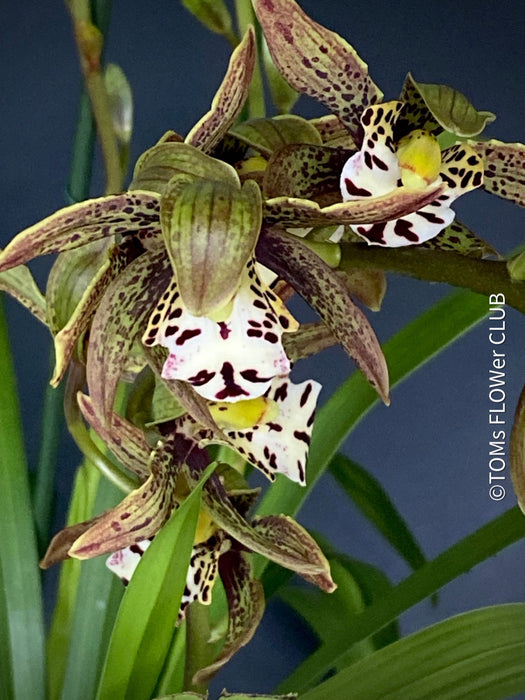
x: 197, y: 646
x: 484, y: 276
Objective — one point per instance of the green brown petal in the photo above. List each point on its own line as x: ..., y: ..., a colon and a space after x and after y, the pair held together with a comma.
x: 19, y: 283
x: 79, y: 224
x: 217, y: 504
x: 459, y: 239
x: 317, y: 61
x: 309, y: 339
x: 139, y: 516
x: 416, y: 114
x: 368, y: 286
x: 504, y: 169
x: 246, y: 607
x: 451, y: 109
x: 229, y: 99
x: 307, y: 172
x: 160, y: 163
x: 268, y: 135
x: 294, y: 539
x: 321, y: 287
x: 283, y: 95
x: 210, y: 229
x: 122, y: 438
x: 60, y: 544
x: 72, y: 279
x: 333, y: 132
x: 120, y: 318
x: 292, y: 211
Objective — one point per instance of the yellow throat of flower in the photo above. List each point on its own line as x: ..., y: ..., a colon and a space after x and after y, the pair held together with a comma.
x: 242, y: 415
x: 419, y: 158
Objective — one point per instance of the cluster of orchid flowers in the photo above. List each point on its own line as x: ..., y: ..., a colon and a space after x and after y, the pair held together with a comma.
x: 179, y: 285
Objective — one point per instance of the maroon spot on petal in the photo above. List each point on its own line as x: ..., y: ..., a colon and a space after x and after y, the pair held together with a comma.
x: 300, y: 435
x: 368, y: 160
x: 271, y: 337
x: 375, y: 233
x: 429, y: 216
x: 284, y: 321
x: 478, y: 179
x: 254, y: 333
x: 230, y: 387
x: 201, y: 378
x: 175, y: 313
x: 304, y: 396
x: 275, y: 426
x: 225, y: 330
x: 170, y: 330
x: 379, y: 163
x: 354, y: 190
x: 187, y: 335
x: 251, y: 376
x: 403, y: 228
x: 281, y: 393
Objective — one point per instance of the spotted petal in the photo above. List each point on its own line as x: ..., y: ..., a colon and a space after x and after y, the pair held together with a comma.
x: 202, y: 572
x: 280, y: 446
x: 227, y: 360
x: 375, y: 170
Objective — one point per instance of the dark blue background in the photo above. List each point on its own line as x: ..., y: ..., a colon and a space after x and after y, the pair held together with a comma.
x: 430, y: 448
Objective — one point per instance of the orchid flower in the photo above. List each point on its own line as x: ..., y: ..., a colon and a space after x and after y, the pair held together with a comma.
x: 415, y: 162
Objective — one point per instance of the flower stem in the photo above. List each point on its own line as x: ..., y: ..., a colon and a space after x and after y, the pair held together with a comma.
x: 197, y: 647
x: 483, y: 276
x: 90, y: 39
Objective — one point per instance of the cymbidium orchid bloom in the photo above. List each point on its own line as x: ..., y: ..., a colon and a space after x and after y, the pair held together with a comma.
x: 415, y: 162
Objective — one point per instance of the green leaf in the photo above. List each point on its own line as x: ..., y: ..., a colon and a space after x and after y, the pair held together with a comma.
x: 58, y: 642
x: 96, y: 603
x: 21, y: 614
x: 172, y: 678
x: 144, y: 626
x: 479, y: 654
x: 269, y: 135
x: 129, y: 213
x: 324, y: 290
x: 504, y: 166
x: 19, y: 283
x: 374, y: 502
x: 213, y: 14
x: 408, y: 350
x: 210, y: 229
x: 229, y: 99
x: 451, y: 109
x: 460, y: 558
x: 316, y: 61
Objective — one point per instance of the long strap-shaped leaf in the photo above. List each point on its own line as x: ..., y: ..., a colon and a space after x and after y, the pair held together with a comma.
x: 21, y: 619
x: 408, y: 350
x: 480, y: 654
x: 460, y: 558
